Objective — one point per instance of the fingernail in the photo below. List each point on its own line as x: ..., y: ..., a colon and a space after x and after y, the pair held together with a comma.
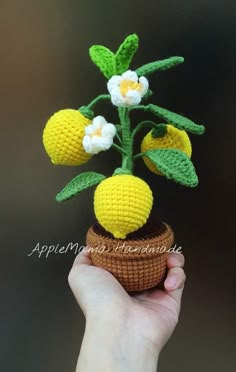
x: 171, y: 282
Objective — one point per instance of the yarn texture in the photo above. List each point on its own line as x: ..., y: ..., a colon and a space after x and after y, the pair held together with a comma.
x: 78, y: 184
x: 125, y: 53
x: 173, y: 139
x: 122, y: 204
x: 63, y: 136
x: 134, y: 269
x: 110, y: 63
x: 163, y: 65
x: 122, y: 201
x: 175, y: 165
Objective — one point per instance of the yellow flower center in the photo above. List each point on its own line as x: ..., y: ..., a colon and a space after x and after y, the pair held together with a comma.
x: 97, y: 133
x: 127, y: 85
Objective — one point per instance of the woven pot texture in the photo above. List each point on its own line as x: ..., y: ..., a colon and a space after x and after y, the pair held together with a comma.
x: 139, y: 261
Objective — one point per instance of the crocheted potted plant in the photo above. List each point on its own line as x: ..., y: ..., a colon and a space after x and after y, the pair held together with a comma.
x: 126, y: 240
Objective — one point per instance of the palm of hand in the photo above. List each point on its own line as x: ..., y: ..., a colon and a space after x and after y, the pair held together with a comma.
x: 153, y: 313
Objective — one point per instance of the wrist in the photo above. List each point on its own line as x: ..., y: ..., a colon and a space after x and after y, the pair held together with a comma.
x: 115, y: 344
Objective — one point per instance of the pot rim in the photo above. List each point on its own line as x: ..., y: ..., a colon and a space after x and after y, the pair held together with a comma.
x: 163, y: 239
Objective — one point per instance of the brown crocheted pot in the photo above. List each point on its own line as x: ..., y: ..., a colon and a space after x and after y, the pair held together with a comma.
x: 139, y: 261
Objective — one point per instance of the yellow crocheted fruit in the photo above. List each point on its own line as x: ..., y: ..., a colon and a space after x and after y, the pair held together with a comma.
x: 173, y: 139
x: 122, y: 204
x: 63, y: 135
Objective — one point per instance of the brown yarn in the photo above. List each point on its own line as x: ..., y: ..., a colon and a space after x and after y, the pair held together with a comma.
x: 135, y: 262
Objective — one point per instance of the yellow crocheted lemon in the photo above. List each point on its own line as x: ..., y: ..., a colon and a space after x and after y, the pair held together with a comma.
x: 173, y: 139
x: 122, y: 204
x: 63, y: 135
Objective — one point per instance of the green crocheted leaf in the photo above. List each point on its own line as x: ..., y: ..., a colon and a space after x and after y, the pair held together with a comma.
x: 175, y: 165
x: 78, y: 184
x: 125, y: 53
x: 162, y: 65
x: 176, y: 120
x: 104, y: 59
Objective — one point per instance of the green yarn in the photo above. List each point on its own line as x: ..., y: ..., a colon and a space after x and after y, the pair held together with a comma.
x: 125, y: 53
x: 86, y: 112
x: 78, y: 184
x: 127, y: 140
x: 118, y: 128
x: 104, y: 59
x: 170, y: 117
x: 162, y: 65
x: 119, y: 171
x: 147, y: 95
x: 101, y: 97
x: 118, y: 148
x: 175, y: 165
x: 143, y: 124
x: 111, y: 64
x: 159, y: 131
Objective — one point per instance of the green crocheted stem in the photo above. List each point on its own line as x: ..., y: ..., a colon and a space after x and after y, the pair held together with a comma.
x: 144, y: 124
x: 162, y: 65
x: 139, y: 155
x: 78, y: 184
x: 119, y: 171
x: 170, y: 117
x: 118, y: 137
x: 118, y: 148
x: 175, y: 165
x: 101, y: 97
x: 127, y: 143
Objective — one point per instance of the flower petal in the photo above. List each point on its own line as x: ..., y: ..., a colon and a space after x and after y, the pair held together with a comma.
x: 130, y: 75
x: 89, y: 129
x: 113, y: 82
x: 87, y: 144
x: 109, y: 130
x: 98, y: 122
x: 116, y: 97
x: 132, y: 98
x: 144, y: 86
x: 101, y: 144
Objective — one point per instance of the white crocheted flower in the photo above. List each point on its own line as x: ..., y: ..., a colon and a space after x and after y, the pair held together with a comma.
x: 98, y: 135
x: 127, y: 89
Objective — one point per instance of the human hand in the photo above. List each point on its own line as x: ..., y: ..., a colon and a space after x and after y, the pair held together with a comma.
x: 137, y: 325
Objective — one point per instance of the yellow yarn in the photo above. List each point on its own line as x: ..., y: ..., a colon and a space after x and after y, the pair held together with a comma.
x: 122, y: 204
x: 63, y: 135
x: 173, y: 139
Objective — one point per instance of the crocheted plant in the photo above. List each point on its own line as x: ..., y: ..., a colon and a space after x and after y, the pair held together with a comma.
x: 122, y: 202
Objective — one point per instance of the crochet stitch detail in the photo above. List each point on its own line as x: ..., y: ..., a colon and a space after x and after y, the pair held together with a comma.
x: 78, y: 184
x: 125, y: 53
x: 175, y: 165
x: 104, y: 58
x: 162, y: 65
x: 63, y: 135
x: 173, y: 139
x: 122, y: 204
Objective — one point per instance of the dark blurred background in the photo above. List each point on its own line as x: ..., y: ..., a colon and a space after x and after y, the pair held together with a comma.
x: 45, y: 67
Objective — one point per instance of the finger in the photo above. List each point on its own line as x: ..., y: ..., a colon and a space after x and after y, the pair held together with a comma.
x: 83, y: 258
x: 175, y: 260
x: 174, y: 283
x: 81, y: 261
